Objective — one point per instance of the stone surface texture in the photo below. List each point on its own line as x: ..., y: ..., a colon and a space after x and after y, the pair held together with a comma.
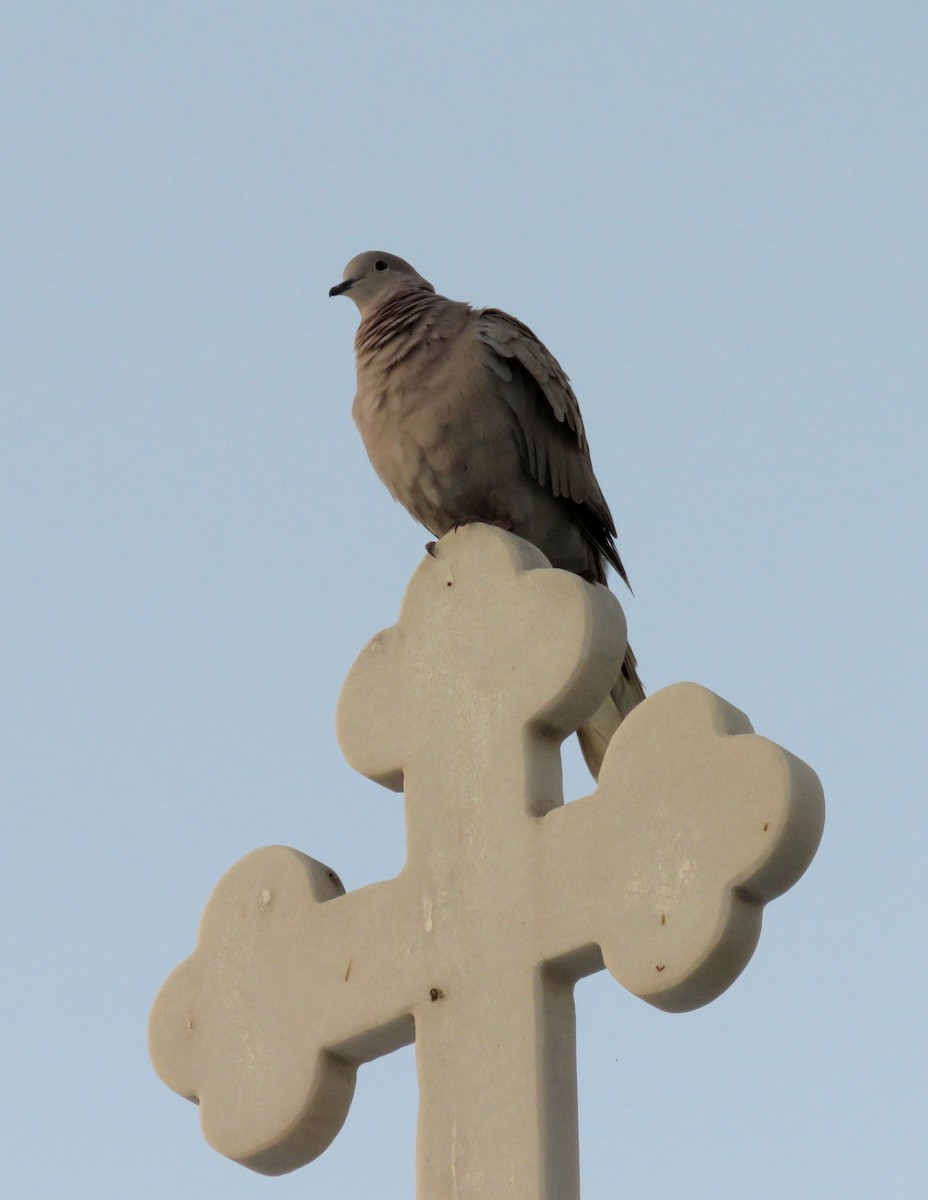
x: 508, y: 896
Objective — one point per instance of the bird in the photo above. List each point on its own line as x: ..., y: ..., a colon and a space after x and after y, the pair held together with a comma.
x: 467, y: 416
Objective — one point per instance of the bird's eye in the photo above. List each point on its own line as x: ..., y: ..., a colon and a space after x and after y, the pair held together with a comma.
x: 380, y: 265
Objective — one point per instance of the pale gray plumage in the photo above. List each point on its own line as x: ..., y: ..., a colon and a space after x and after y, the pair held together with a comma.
x: 466, y: 416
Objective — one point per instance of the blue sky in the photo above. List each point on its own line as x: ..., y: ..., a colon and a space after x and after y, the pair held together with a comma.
x: 714, y: 215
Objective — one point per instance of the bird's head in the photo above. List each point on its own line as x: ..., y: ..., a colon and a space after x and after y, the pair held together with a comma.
x: 372, y: 276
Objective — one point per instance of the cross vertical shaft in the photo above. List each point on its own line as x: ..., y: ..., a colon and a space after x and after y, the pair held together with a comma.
x: 506, y: 1126
x: 495, y: 1038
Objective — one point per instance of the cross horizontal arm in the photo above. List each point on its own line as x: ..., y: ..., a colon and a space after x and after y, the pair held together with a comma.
x: 668, y: 865
x: 292, y: 985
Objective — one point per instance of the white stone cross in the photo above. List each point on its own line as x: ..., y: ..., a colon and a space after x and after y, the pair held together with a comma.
x: 507, y: 897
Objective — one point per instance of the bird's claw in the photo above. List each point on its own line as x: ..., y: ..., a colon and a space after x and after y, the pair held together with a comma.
x: 501, y: 523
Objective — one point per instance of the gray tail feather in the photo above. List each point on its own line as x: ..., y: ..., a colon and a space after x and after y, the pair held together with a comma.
x: 596, y: 734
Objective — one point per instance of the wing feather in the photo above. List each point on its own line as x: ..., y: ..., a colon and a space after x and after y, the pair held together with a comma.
x: 552, y: 438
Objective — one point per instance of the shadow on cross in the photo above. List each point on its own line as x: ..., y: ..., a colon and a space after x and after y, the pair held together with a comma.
x: 507, y: 897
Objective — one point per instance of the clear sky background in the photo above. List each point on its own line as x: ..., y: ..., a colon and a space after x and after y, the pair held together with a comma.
x: 715, y: 216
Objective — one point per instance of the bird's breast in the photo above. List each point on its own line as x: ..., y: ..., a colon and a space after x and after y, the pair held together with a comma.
x: 437, y: 435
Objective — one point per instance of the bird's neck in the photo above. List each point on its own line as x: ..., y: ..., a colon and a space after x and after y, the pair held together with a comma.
x: 396, y: 325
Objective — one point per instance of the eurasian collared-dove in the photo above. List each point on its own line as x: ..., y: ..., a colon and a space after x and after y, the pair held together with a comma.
x: 466, y: 416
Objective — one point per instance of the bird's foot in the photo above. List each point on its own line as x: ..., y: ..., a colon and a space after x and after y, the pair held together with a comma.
x: 502, y: 523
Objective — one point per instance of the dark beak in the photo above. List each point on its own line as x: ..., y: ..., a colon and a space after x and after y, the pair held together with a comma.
x: 342, y: 287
